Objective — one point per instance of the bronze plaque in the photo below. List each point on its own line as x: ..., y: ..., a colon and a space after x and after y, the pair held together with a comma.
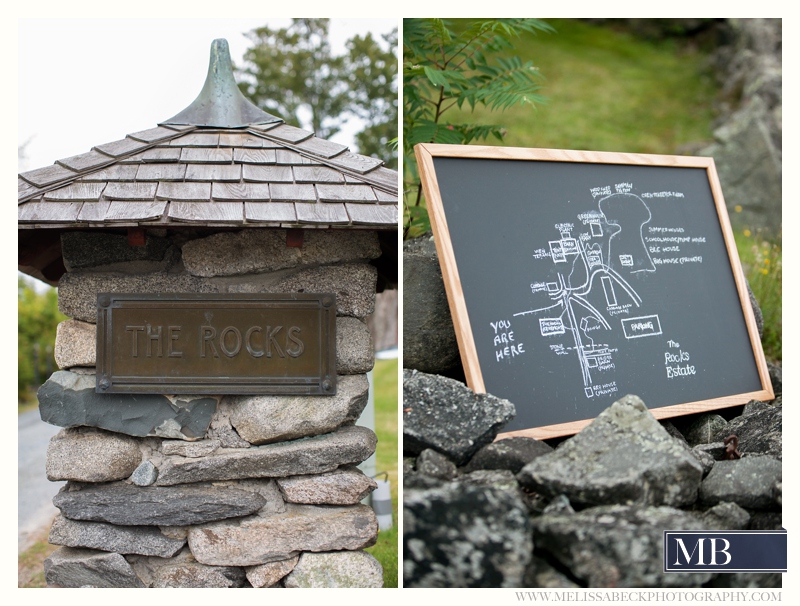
x: 216, y: 343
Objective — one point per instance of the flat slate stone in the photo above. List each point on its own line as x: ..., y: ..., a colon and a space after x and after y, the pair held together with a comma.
x: 128, y: 505
x: 270, y: 419
x: 91, y: 455
x: 143, y: 540
x: 355, y: 569
x: 272, y: 537
x: 465, y: 536
x: 68, y: 567
x: 320, y: 454
x: 68, y: 399
x: 446, y: 415
x: 750, y: 482
x: 344, y: 486
x: 263, y: 250
x: 616, y: 545
x: 624, y: 456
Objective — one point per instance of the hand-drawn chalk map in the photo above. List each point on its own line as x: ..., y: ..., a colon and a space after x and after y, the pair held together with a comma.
x: 587, y: 283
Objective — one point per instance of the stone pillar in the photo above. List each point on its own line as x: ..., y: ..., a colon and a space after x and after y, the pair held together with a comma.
x: 212, y: 491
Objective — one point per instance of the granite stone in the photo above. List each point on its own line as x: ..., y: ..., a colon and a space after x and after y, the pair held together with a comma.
x: 91, y: 455
x: 344, y: 486
x: 319, y: 454
x: 265, y: 250
x: 76, y: 344
x: 355, y: 569
x: 270, y: 419
x: 267, y: 538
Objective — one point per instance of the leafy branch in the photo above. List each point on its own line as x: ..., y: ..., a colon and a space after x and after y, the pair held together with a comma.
x: 445, y: 67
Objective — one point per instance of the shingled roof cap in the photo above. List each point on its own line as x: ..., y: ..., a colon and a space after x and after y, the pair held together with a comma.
x: 221, y: 103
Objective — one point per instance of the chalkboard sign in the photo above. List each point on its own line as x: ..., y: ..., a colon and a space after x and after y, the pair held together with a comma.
x: 575, y: 278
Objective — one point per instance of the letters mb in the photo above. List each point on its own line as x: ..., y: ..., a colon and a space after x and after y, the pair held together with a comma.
x: 725, y: 551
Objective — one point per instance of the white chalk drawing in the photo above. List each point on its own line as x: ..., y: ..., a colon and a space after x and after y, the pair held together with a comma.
x: 603, y: 253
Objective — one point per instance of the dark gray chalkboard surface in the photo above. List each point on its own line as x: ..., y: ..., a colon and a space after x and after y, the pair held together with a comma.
x: 575, y: 278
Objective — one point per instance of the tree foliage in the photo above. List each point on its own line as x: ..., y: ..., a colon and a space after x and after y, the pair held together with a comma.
x: 292, y: 73
x: 446, y: 67
x: 37, y: 317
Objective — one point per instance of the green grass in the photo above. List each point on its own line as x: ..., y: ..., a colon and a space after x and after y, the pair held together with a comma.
x: 30, y: 563
x: 608, y: 91
x: 384, y: 378
x: 762, y: 262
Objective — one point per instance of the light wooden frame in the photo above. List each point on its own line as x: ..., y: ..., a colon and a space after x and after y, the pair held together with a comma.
x: 425, y: 152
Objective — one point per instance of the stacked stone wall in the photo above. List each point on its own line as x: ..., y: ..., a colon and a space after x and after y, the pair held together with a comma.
x: 212, y: 491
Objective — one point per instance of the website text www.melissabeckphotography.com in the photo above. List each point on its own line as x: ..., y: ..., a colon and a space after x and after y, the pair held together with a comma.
x: 615, y: 596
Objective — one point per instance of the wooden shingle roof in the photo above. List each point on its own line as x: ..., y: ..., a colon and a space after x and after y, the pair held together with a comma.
x: 205, y: 168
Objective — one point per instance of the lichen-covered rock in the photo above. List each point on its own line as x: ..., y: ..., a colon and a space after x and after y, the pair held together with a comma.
x: 446, y: 415
x: 91, y: 455
x: 726, y: 516
x: 750, y: 482
x: 68, y: 399
x: 465, y: 536
x: 704, y: 429
x: 355, y: 569
x: 624, y: 456
x: 616, y: 545
x: 269, y: 419
x: 435, y: 465
x: 759, y: 430
x: 510, y: 453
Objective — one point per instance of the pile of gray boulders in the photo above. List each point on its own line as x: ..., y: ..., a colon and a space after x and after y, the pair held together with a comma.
x: 589, y: 513
x: 211, y: 491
